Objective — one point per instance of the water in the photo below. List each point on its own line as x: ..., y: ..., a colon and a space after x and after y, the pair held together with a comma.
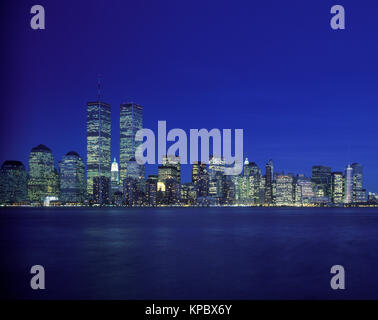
x: 189, y: 253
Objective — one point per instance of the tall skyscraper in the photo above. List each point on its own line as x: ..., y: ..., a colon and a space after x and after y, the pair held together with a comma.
x: 337, y: 187
x: 172, y: 160
x: 253, y: 174
x: 284, y: 189
x: 321, y: 178
x: 269, y: 182
x: 98, y: 142
x: 114, y: 173
x: 151, y: 190
x: 216, y: 171
x: 303, y: 185
x: 13, y: 182
x: 72, y: 178
x: 188, y: 194
x: 101, y: 190
x: 43, y: 178
x: 359, y: 194
x: 131, y: 120
x: 348, y: 185
x: 200, y: 178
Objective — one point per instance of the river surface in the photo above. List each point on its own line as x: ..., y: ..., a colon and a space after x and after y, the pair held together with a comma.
x: 189, y: 253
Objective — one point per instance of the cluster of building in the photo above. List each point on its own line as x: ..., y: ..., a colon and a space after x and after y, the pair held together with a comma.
x: 101, y: 182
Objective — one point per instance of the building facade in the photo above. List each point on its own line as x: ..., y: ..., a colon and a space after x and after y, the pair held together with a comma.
x: 72, y: 178
x: 131, y: 120
x: 337, y: 188
x: 98, y: 142
x: 13, y: 182
x: 43, y: 178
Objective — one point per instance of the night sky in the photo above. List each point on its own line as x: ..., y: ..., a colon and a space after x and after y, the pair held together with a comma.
x: 303, y: 93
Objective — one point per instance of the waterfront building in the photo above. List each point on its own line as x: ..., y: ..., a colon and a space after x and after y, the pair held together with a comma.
x: 188, y: 194
x: 200, y: 178
x: 132, y: 195
x: 253, y: 172
x: 269, y: 183
x: 284, y: 189
x: 172, y: 192
x: 101, y: 190
x: 151, y: 190
x: 321, y: 179
x: 337, y: 188
x: 216, y: 171
x: 131, y: 120
x: 173, y: 161
x: 13, y: 182
x: 358, y: 192
x: 43, y: 178
x: 98, y: 142
x: 228, y: 190
x: 348, y: 185
x: 303, y: 185
x: 72, y: 178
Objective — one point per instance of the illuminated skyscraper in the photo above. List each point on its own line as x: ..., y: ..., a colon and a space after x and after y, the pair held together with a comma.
x: 359, y: 194
x: 269, y: 199
x: 348, y: 185
x: 98, y: 142
x: 131, y: 194
x: 131, y: 120
x: 253, y: 174
x: 303, y: 192
x: 284, y: 189
x: 114, y: 173
x: 72, y: 178
x: 172, y: 160
x: 188, y: 194
x: 151, y: 190
x: 216, y: 171
x: 321, y: 178
x: 101, y: 190
x: 200, y: 178
x: 43, y: 178
x: 337, y: 184
x: 13, y: 182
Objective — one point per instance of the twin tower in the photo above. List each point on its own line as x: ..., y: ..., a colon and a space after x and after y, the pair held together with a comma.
x: 99, y: 139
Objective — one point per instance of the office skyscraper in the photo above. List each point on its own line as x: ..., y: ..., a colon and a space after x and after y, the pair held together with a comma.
x: 321, y: 178
x: 98, y: 142
x: 216, y: 171
x: 253, y: 172
x: 358, y: 193
x: 114, y: 173
x: 337, y: 187
x: 13, y: 182
x: 131, y: 120
x: 303, y: 185
x: 151, y: 190
x: 348, y: 185
x: 284, y: 189
x: 172, y: 160
x: 101, y: 190
x: 269, y: 182
x: 43, y: 178
x: 72, y: 178
x: 200, y: 178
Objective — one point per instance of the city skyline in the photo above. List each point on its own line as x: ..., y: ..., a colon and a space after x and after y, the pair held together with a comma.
x: 98, y: 171
x: 44, y: 184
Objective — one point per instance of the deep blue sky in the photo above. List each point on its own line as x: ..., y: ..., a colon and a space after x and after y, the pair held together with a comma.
x: 303, y: 93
